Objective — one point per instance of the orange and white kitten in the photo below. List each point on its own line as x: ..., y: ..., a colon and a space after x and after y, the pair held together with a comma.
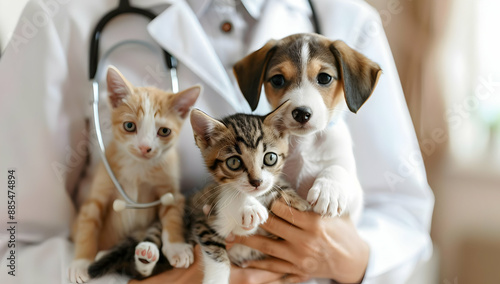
x: 146, y: 123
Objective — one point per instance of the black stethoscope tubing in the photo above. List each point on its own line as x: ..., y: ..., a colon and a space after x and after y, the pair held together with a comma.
x: 125, y: 8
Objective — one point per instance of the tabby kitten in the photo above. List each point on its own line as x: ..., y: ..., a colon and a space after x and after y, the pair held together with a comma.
x: 244, y: 154
x: 146, y: 123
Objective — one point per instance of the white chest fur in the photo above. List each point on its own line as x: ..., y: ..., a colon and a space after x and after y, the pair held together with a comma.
x: 140, y: 180
x: 309, y: 155
x: 239, y: 213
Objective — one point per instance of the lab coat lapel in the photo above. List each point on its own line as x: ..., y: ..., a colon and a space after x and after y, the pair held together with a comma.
x: 276, y: 21
x: 179, y: 32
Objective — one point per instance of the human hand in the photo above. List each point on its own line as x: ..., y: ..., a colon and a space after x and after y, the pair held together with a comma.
x: 310, y: 245
x: 241, y: 275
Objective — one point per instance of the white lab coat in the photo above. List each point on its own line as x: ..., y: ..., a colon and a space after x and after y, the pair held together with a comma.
x: 45, y: 99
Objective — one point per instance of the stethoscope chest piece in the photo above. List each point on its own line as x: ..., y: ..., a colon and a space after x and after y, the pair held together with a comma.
x: 120, y: 205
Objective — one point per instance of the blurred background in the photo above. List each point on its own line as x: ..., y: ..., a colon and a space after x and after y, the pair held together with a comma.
x: 448, y: 57
x: 447, y: 54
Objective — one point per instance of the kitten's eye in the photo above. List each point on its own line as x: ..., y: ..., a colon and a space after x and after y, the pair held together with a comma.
x: 164, y: 132
x: 129, y: 126
x: 277, y: 81
x: 233, y: 163
x: 270, y: 159
x: 324, y: 79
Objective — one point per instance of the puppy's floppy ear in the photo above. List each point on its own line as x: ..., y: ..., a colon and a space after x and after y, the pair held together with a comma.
x: 359, y: 74
x: 250, y: 70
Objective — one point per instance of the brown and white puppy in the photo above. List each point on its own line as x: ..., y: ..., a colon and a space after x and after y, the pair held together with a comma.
x: 317, y: 75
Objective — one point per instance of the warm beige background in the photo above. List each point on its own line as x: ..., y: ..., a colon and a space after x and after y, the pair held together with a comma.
x: 466, y: 223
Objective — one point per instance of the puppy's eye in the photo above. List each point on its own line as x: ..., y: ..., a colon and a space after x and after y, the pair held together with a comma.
x: 129, y: 126
x: 233, y: 163
x: 270, y: 159
x: 278, y: 81
x: 164, y: 132
x: 324, y: 79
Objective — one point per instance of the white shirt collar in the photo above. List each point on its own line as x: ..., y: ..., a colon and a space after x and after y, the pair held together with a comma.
x: 253, y: 7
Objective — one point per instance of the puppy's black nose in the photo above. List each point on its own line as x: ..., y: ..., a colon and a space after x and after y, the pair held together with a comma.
x: 256, y: 182
x: 302, y: 114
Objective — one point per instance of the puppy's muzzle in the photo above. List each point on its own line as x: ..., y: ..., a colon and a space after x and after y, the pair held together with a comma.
x: 302, y: 114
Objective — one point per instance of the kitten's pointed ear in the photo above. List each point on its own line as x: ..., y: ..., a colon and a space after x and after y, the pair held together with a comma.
x: 359, y: 74
x: 204, y: 128
x: 184, y: 100
x: 276, y: 119
x: 118, y: 87
x: 250, y: 72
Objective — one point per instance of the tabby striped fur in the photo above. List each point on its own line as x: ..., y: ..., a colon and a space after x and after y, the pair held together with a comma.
x: 240, y: 197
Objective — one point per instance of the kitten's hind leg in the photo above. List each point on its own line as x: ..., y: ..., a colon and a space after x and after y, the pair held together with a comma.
x: 216, y: 271
x: 147, y: 253
x: 146, y: 256
x: 215, y: 257
x: 174, y: 247
x: 118, y: 259
x: 101, y: 254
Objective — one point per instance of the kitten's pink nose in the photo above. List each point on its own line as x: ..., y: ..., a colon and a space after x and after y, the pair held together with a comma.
x: 256, y: 182
x: 144, y: 149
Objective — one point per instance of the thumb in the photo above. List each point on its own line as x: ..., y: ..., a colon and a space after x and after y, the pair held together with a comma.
x: 230, y: 241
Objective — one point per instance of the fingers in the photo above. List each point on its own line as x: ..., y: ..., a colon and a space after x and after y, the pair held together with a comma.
x: 290, y: 279
x: 230, y: 241
x: 281, y: 228
x: 295, y: 279
x: 273, y: 264
x: 292, y: 273
x: 267, y: 246
x: 300, y: 219
x: 253, y: 276
x: 197, y: 254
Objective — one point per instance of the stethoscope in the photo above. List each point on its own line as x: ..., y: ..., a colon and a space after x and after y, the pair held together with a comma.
x: 124, y: 7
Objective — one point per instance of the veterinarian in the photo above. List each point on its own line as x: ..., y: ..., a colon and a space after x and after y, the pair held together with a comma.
x: 45, y: 130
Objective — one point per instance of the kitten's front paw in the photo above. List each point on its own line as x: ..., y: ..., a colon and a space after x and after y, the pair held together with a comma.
x: 179, y: 255
x: 78, y: 271
x: 253, y: 215
x: 327, y: 197
x: 146, y: 256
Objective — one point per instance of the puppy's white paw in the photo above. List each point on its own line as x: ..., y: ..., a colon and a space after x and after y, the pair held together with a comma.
x: 146, y: 256
x: 179, y: 255
x: 253, y: 215
x: 78, y: 271
x: 327, y: 197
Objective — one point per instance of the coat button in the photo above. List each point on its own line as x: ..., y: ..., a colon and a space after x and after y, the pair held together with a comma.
x: 226, y: 27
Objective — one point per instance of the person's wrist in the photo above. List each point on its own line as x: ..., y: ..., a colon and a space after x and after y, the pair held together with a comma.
x: 364, y: 258
x: 355, y: 273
